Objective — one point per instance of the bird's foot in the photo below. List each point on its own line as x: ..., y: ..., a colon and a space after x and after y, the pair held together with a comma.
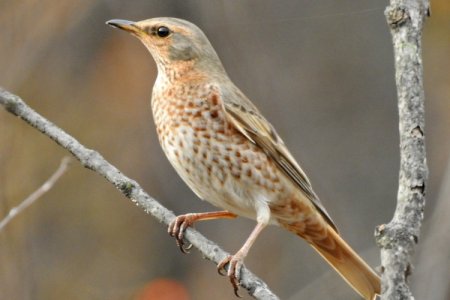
x: 177, y: 229
x: 235, y: 263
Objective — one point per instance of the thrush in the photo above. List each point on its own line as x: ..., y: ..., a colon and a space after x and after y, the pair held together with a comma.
x: 230, y: 155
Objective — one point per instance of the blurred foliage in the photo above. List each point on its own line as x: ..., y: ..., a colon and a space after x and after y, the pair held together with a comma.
x: 321, y: 71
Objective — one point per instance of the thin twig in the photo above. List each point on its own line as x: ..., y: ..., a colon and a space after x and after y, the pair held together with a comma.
x: 130, y: 188
x: 37, y: 193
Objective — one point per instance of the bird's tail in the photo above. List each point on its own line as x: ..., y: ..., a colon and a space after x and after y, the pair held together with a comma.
x: 345, y: 261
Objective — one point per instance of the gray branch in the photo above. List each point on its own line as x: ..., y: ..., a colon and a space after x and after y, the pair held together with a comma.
x: 398, y: 238
x: 130, y: 188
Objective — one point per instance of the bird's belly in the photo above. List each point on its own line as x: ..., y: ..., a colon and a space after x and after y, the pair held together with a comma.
x: 224, y: 169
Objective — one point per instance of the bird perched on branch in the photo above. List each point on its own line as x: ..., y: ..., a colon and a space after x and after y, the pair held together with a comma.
x: 230, y: 155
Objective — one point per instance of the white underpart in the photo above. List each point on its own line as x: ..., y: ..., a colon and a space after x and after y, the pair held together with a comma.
x: 236, y: 196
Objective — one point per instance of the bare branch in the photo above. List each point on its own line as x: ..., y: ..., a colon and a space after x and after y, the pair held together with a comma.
x: 36, y: 194
x: 398, y: 238
x: 130, y: 188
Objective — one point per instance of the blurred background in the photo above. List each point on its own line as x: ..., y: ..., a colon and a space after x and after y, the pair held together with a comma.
x: 321, y: 72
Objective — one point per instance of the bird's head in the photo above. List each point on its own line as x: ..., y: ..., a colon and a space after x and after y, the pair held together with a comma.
x: 172, y: 42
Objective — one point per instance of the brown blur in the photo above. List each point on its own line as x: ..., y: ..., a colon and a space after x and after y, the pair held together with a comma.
x: 321, y: 72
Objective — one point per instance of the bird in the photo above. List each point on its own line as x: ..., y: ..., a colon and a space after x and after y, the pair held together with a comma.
x: 229, y: 155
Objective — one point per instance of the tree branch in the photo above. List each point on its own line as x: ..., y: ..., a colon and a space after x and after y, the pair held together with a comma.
x: 130, y: 188
x: 37, y: 193
x: 398, y: 238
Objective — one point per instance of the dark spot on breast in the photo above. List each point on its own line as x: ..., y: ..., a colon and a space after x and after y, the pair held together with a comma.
x: 198, y: 128
x: 249, y: 173
x: 214, y: 114
x: 241, y: 141
x: 237, y: 176
x: 214, y: 100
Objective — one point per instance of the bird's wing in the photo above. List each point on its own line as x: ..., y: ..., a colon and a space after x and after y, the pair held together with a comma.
x: 247, y: 119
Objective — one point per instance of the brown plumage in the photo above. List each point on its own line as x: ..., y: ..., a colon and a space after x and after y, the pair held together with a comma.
x: 230, y: 155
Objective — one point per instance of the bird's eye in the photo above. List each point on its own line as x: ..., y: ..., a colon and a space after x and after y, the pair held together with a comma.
x: 163, y: 31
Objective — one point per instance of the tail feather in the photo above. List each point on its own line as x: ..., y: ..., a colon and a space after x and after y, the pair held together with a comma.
x: 347, y: 263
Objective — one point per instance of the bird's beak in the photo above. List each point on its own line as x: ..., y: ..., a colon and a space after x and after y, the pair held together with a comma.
x: 129, y: 26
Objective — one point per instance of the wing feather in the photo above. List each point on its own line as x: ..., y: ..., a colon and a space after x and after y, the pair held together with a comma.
x: 248, y: 120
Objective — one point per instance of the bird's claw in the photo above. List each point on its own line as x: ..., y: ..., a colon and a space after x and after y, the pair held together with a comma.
x: 221, y: 266
x: 178, y: 227
x: 234, y: 263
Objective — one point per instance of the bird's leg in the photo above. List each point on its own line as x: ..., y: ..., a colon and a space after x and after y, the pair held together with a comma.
x: 179, y: 225
x: 236, y: 261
